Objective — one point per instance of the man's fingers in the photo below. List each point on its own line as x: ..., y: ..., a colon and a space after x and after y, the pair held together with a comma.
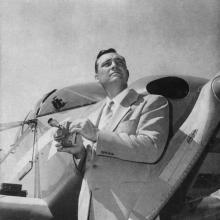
x: 59, y: 140
x: 58, y: 144
x: 63, y: 149
x: 65, y: 124
x: 75, y: 125
x: 76, y: 130
x: 60, y: 149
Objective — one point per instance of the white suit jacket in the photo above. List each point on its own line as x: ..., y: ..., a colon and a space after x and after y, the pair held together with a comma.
x: 117, y: 170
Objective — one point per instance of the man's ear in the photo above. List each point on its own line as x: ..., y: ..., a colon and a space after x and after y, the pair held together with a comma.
x: 127, y: 74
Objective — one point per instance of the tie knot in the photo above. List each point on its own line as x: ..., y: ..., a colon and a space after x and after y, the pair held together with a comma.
x: 110, y: 104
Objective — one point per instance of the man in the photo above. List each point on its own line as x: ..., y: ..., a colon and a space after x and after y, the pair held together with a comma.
x: 125, y: 134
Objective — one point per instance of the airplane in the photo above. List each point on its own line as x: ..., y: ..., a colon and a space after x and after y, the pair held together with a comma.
x: 37, y: 182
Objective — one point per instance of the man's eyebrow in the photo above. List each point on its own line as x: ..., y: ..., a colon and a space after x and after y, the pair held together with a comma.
x: 106, y: 61
x: 120, y: 58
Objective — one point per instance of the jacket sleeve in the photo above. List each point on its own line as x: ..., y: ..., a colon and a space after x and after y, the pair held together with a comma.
x: 148, y: 143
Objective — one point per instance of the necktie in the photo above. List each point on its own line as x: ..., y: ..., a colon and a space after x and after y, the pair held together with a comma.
x: 106, y: 115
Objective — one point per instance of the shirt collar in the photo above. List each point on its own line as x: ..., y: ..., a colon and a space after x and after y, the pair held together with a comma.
x: 118, y: 98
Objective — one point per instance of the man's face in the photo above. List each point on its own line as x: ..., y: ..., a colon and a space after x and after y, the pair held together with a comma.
x: 112, y: 69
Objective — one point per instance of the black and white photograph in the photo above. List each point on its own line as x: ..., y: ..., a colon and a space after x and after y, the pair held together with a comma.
x: 109, y: 110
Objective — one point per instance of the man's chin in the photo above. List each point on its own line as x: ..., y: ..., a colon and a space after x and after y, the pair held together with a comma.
x: 116, y: 76
x: 115, y: 79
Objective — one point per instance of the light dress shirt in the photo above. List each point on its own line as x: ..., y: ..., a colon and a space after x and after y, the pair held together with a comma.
x: 117, y: 100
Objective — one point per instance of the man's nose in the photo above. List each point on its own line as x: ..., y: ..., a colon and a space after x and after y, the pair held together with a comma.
x: 114, y: 64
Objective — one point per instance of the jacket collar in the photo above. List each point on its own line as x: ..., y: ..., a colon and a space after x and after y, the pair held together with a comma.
x: 123, y: 108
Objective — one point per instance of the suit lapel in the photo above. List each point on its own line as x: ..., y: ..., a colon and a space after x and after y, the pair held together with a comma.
x: 119, y: 114
x: 122, y: 110
x: 124, y: 107
x: 96, y: 112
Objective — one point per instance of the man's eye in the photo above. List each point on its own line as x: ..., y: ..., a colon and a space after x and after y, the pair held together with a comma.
x: 120, y: 63
x: 106, y: 64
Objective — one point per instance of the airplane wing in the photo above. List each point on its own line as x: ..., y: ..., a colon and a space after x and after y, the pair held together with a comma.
x: 6, y: 126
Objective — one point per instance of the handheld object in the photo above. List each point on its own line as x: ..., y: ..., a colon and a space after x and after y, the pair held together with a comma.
x: 62, y: 134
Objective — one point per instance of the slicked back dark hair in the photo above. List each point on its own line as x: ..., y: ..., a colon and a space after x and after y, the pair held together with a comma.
x: 102, y: 52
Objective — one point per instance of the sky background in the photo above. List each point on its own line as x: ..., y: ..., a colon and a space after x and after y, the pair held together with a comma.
x: 47, y: 44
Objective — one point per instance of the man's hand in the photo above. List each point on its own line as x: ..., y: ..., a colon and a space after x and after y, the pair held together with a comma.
x: 86, y: 128
x: 77, y: 149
